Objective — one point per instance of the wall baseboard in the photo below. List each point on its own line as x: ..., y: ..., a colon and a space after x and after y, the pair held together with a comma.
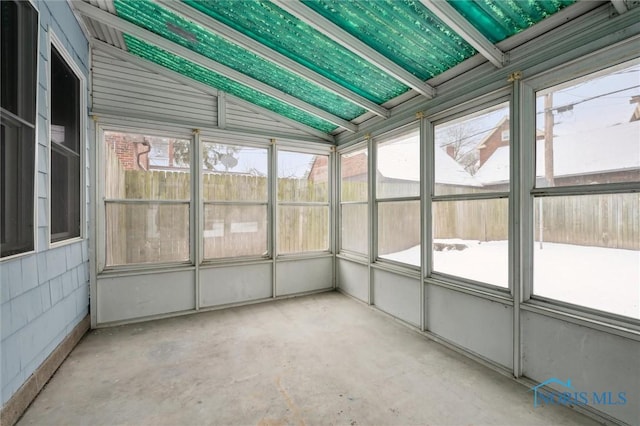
x: 20, y: 401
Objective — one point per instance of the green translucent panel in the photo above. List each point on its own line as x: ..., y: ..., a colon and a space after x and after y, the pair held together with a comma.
x: 206, y: 76
x: 265, y: 22
x: 499, y: 19
x: 172, y: 27
x: 402, y: 30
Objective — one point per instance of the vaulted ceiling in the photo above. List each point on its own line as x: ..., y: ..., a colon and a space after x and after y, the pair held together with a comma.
x: 327, y: 64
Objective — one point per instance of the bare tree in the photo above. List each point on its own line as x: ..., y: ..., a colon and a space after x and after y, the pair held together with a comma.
x: 214, y: 157
x: 460, y: 142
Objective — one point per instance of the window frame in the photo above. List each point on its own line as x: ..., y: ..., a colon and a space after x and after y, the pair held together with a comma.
x: 277, y: 203
x: 362, y: 146
x: 103, y: 200
x: 490, y: 101
x: 266, y: 203
x: 377, y: 201
x: 35, y: 127
x: 54, y: 42
x: 591, y: 65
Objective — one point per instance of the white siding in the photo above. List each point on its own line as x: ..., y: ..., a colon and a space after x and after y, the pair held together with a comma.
x: 124, y: 89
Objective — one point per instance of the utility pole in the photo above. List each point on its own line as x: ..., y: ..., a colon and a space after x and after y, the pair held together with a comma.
x: 548, y: 139
x: 548, y: 156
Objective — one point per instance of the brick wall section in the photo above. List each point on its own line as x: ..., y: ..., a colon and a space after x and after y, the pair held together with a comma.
x: 43, y: 295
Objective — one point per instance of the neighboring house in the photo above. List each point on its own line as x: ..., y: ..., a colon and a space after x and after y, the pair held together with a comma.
x: 400, y: 171
x: 610, y: 154
x: 138, y: 152
x: 496, y: 139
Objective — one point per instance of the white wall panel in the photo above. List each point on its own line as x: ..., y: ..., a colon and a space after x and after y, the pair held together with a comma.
x: 397, y: 295
x: 238, y: 117
x: 595, y: 361
x: 235, y: 284
x: 479, y: 325
x: 123, y: 88
x: 137, y: 296
x: 353, y: 279
x: 301, y: 275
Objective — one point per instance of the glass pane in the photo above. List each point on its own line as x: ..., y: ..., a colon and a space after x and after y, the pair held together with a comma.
x: 399, y: 231
x: 471, y: 153
x: 588, y: 130
x: 147, y: 233
x: 470, y: 240
x: 234, y: 230
x: 234, y: 173
x: 303, y: 177
x: 146, y: 167
x: 353, y: 176
x: 65, y: 103
x: 303, y: 228
x: 398, y: 165
x: 587, y: 251
x: 355, y: 228
x: 17, y: 162
x: 65, y: 194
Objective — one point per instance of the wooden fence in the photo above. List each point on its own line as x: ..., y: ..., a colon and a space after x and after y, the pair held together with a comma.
x: 158, y: 230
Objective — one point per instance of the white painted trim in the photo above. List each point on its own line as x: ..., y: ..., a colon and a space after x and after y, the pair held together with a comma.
x: 464, y: 29
x: 122, y: 25
x: 55, y: 41
x: 346, y: 40
x: 271, y: 55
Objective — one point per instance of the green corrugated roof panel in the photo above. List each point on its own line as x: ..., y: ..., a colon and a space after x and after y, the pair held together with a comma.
x: 190, y: 35
x: 267, y: 23
x: 402, y: 30
x: 500, y: 19
x: 206, y: 76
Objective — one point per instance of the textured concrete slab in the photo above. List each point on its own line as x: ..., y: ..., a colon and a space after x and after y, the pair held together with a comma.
x: 321, y: 359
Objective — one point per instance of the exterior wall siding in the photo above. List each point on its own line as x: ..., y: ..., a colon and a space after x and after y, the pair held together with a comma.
x: 45, y: 294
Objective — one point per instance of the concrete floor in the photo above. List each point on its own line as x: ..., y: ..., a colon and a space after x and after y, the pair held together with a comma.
x: 322, y: 359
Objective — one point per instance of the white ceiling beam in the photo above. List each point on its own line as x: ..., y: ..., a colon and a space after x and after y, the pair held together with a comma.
x: 620, y: 6
x: 271, y: 55
x: 127, y: 27
x: 180, y: 78
x: 464, y: 29
x: 346, y: 40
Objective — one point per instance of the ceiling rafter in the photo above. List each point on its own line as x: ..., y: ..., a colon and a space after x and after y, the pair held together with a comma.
x: 346, y: 40
x: 159, y: 69
x: 261, y: 50
x: 620, y: 6
x: 120, y: 24
x: 447, y: 14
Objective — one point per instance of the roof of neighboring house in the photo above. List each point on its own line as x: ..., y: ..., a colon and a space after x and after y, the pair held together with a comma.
x: 404, y: 164
x: 608, y: 149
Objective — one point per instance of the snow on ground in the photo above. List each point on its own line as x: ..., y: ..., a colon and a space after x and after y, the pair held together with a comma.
x: 595, y: 277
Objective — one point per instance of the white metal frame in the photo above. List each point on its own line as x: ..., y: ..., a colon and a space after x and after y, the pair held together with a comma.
x: 377, y: 261
x: 103, y: 200
x: 492, y: 101
x: 267, y: 203
x: 82, y: 149
x: 362, y: 146
x: 302, y: 149
x: 592, y: 65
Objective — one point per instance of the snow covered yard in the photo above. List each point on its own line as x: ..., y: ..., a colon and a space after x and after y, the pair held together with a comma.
x: 600, y: 278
